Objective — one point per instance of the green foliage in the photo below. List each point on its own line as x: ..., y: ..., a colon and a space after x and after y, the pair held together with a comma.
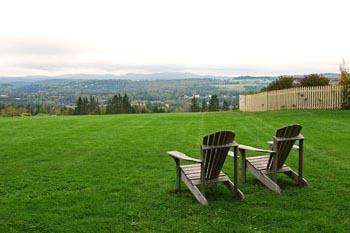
x: 66, y: 92
x: 25, y: 114
x: 119, y: 105
x: 11, y: 111
x: 283, y: 82
x: 194, y: 105
x: 110, y: 173
x: 344, y: 74
x: 214, y: 104
x: 87, y: 106
x: 42, y: 110
x: 67, y: 111
x: 314, y: 80
x: 344, y: 80
x: 204, y: 107
x: 346, y: 97
x: 255, y: 92
x: 225, y: 106
x: 79, y: 108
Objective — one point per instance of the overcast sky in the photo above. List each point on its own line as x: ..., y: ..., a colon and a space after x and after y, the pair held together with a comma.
x: 242, y: 37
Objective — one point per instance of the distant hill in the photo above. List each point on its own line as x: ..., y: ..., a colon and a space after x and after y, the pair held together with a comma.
x: 132, y: 76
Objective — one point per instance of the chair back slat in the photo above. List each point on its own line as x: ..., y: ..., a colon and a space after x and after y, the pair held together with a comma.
x: 284, y: 146
x: 214, y: 158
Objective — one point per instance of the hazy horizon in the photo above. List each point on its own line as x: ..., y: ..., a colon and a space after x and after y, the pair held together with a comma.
x: 225, y: 38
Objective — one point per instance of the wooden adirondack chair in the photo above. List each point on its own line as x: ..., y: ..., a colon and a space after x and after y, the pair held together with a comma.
x: 214, y: 151
x: 269, y: 165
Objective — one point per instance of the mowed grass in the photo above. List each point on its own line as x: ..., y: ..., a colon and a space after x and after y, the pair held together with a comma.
x: 111, y: 173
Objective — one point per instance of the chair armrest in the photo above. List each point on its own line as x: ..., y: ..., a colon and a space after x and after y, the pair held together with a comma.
x: 250, y: 148
x: 296, y: 147
x: 182, y: 156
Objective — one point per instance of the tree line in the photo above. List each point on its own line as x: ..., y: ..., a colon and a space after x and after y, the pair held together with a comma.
x: 285, y: 82
x: 213, y: 105
x: 118, y: 104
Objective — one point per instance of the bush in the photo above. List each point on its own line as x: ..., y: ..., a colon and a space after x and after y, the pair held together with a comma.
x: 314, y: 80
x: 283, y: 82
x: 26, y: 114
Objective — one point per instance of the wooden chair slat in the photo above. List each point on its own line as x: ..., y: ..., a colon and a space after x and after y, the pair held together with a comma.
x: 262, y: 166
x: 214, y: 151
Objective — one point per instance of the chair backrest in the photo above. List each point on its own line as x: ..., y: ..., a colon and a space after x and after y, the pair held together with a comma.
x: 214, y: 151
x: 283, y: 143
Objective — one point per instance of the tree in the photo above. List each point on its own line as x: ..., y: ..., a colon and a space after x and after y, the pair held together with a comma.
x: 114, y: 105
x: 283, y: 82
x: 119, y: 104
x: 194, y: 105
x: 344, y: 81
x: 43, y: 110
x: 87, y: 106
x: 93, y: 106
x: 184, y: 107
x: 78, y: 109
x: 314, y: 80
x: 344, y: 75
x: 204, y: 106
x: 126, y: 106
x: 9, y: 111
x: 225, y: 106
x: 214, y: 104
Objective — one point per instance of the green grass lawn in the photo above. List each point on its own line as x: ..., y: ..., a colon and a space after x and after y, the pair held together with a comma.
x: 111, y: 173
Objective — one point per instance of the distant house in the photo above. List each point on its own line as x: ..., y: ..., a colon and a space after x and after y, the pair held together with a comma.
x: 333, y: 81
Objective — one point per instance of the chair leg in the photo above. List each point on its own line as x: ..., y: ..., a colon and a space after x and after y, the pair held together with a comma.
x: 243, y: 165
x: 232, y: 189
x: 178, y: 175
x: 194, y: 190
x: 264, y: 179
x: 294, y: 176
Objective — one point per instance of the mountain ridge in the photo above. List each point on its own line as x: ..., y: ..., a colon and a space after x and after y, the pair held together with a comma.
x: 135, y: 77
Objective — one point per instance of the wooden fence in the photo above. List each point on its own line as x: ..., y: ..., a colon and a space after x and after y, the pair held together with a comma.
x: 322, y: 97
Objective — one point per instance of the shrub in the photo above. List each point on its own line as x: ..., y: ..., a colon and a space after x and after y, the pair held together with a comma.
x: 283, y: 82
x: 314, y: 80
x: 26, y: 114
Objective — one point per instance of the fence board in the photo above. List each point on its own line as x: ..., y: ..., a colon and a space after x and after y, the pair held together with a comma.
x: 322, y: 97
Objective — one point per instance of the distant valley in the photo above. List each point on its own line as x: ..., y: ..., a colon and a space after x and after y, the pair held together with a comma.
x: 164, y: 89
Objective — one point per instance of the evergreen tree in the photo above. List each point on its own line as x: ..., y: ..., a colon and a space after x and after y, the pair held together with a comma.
x: 85, y: 105
x: 204, y: 106
x: 118, y: 105
x: 214, y: 104
x: 194, y: 105
x: 78, y: 109
x: 225, y: 106
x: 126, y: 106
x: 93, y: 107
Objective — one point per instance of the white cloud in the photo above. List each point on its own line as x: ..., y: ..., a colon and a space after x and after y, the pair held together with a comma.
x: 219, y: 36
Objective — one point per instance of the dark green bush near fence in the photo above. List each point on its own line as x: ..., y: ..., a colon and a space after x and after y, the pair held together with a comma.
x: 346, y: 97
